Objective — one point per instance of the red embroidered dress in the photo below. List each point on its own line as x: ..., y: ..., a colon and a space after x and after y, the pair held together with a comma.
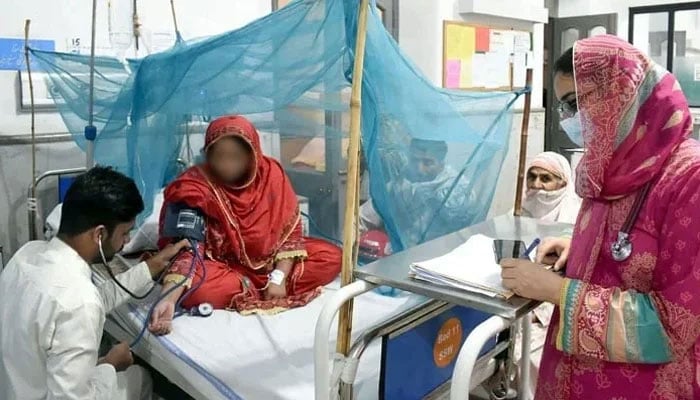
x: 249, y: 228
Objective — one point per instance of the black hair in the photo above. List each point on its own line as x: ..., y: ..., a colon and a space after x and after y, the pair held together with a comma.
x: 436, y: 148
x: 101, y: 196
x: 565, y: 63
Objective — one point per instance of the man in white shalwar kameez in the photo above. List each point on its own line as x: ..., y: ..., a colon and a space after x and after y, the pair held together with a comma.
x: 51, y: 313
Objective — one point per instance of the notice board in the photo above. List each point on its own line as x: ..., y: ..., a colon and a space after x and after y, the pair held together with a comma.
x: 480, y: 57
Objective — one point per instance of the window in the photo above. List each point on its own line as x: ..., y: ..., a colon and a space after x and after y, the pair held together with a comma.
x: 670, y: 35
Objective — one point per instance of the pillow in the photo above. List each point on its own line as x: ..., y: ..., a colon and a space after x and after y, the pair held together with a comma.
x: 146, y: 236
x: 143, y: 238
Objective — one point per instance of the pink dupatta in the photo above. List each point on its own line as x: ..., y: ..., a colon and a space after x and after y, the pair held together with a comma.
x: 635, y: 122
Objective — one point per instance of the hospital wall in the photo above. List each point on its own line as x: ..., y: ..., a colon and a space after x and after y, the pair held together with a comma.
x: 421, y: 29
x: 420, y: 37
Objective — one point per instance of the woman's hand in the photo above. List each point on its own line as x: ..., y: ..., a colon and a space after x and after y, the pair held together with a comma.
x: 530, y: 280
x: 162, y: 318
x: 554, y: 251
x: 274, y: 292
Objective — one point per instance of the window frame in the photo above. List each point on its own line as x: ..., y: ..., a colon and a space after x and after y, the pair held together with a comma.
x: 671, y: 10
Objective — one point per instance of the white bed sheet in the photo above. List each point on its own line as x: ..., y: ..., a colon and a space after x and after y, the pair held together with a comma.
x: 228, y: 356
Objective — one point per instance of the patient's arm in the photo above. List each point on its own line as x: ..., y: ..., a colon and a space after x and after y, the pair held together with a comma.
x: 179, y: 274
x: 293, y: 247
x: 162, y: 317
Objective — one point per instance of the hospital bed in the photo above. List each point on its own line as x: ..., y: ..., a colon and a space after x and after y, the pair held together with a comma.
x: 229, y: 356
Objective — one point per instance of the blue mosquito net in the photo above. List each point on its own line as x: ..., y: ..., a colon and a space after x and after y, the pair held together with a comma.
x: 432, y: 156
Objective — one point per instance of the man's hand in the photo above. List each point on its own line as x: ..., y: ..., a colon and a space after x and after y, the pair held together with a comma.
x: 160, y: 261
x: 162, y: 317
x: 554, y: 251
x: 531, y: 280
x: 119, y: 356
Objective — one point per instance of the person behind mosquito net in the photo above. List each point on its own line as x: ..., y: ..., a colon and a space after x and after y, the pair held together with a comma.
x: 417, y: 186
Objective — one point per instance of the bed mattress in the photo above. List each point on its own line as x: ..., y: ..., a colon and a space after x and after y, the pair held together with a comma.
x: 229, y: 356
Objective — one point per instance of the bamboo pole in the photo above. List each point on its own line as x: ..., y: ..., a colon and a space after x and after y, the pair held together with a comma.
x: 351, y: 193
x: 517, y: 209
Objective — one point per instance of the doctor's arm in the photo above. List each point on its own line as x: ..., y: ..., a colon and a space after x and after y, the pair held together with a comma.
x: 139, y: 278
x: 627, y: 326
x: 71, y: 360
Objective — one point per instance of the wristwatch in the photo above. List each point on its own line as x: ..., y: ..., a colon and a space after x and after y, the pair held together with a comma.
x: 276, y: 277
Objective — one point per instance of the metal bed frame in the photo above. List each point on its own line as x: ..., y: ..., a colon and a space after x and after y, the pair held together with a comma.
x: 32, y: 202
x: 470, y: 370
x: 393, y: 271
x: 403, y: 322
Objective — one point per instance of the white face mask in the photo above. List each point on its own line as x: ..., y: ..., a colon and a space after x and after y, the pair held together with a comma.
x: 545, y: 195
x: 543, y: 203
x: 573, y: 129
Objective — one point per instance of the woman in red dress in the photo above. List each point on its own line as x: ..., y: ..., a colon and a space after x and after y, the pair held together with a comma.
x: 255, y: 256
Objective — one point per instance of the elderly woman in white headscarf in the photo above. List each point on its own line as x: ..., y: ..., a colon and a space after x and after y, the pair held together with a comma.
x: 550, y: 194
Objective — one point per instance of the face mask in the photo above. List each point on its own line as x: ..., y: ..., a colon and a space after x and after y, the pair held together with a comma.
x: 545, y: 196
x: 540, y: 203
x: 572, y: 127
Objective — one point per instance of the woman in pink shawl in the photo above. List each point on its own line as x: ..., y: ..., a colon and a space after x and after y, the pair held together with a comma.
x: 623, y: 329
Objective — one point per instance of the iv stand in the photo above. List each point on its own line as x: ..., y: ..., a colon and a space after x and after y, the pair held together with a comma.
x: 90, y: 129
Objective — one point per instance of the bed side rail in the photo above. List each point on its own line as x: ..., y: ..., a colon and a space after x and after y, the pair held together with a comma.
x: 33, y: 202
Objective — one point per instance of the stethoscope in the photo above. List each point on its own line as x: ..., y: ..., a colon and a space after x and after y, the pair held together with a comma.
x: 202, y: 310
x: 621, y: 249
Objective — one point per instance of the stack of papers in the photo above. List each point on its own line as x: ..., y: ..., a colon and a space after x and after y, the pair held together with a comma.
x: 471, y: 267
